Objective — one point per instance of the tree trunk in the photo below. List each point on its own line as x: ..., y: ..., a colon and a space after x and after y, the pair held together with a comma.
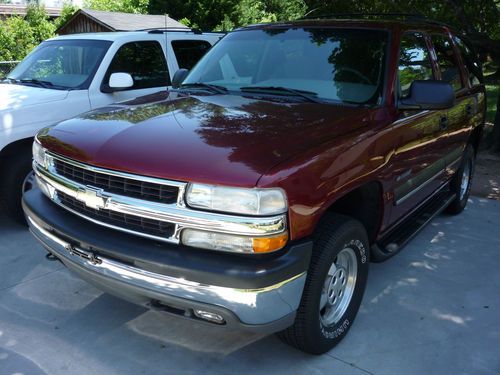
x: 496, y: 128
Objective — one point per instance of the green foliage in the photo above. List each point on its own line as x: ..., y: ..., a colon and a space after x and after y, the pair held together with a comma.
x: 18, y: 35
x: 16, y: 39
x: 492, y: 92
x: 126, y: 6
x: 67, y: 12
x: 38, y: 20
x: 228, y: 14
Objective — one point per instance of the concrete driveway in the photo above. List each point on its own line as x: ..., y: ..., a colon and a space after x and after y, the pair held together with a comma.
x: 433, y: 309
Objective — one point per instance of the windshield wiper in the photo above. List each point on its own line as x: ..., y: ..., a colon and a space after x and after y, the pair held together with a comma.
x: 44, y: 84
x: 308, y: 95
x: 213, y: 88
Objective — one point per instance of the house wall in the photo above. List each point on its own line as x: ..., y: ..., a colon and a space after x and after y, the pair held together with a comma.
x: 82, y: 24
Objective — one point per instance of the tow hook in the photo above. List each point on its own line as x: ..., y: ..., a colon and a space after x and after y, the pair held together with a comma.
x: 91, y: 257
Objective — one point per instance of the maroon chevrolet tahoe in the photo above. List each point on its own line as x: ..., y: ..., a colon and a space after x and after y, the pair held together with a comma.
x: 255, y: 193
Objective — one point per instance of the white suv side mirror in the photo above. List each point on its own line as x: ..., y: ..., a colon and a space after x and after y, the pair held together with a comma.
x: 120, y: 81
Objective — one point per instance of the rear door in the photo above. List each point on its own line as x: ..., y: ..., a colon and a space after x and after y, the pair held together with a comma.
x: 418, y: 163
x: 459, y: 117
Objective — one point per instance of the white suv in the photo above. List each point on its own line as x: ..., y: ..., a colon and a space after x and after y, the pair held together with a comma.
x: 68, y: 75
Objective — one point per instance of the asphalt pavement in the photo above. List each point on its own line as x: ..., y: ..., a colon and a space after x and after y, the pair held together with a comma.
x: 432, y: 309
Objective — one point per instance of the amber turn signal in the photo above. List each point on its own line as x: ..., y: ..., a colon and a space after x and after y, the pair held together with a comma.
x: 269, y: 244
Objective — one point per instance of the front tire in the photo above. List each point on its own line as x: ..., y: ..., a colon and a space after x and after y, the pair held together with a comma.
x: 462, y: 181
x: 17, y: 176
x: 334, y: 288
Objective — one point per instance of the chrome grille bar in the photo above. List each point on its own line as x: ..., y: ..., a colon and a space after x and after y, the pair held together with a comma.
x: 175, y: 213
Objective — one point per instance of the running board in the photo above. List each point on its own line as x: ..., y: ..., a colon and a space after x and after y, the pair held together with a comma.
x: 397, y: 238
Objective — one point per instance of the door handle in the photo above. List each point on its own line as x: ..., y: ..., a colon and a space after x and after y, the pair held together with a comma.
x: 443, y: 122
x: 468, y: 110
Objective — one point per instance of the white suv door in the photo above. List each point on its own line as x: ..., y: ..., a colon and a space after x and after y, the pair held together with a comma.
x: 145, y: 61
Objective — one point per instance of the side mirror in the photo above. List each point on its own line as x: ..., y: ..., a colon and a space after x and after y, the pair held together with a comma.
x: 429, y: 95
x: 179, y: 76
x: 119, y: 82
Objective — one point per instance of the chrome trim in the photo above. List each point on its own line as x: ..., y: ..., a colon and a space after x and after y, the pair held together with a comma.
x: 177, y: 214
x: 109, y: 172
x: 252, y: 306
x: 418, y: 188
x: 410, y: 117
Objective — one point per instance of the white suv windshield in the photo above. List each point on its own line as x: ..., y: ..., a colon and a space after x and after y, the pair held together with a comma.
x: 61, y: 64
x: 333, y: 64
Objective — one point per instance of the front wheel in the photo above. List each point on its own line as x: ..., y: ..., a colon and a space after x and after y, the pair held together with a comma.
x: 334, y: 287
x: 17, y: 178
x: 462, y: 181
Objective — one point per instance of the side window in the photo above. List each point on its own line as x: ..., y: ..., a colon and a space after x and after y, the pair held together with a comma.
x: 447, y: 61
x: 414, y: 62
x: 188, y: 52
x: 144, y: 61
x: 470, y: 60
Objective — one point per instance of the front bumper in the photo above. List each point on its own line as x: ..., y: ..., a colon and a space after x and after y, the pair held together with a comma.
x: 260, y: 295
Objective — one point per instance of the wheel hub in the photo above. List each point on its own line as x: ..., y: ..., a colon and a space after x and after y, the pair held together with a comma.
x: 338, y: 287
x: 464, y: 185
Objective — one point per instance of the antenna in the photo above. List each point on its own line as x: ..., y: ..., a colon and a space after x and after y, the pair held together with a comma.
x: 166, y: 48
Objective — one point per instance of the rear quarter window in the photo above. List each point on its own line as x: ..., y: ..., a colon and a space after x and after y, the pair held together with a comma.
x: 188, y: 52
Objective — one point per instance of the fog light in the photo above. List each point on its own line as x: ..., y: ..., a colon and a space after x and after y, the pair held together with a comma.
x: 209, y: 316
x: 232, y: 243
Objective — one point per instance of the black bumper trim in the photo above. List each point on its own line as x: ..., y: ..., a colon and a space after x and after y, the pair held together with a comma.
x: 202, y: 266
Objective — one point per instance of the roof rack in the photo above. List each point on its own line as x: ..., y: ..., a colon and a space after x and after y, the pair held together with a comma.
x: 163, y: 30
x: 418, y: 17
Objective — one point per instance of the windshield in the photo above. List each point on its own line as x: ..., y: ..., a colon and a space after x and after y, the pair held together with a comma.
x: 61, y: 64
x: 334, y: 64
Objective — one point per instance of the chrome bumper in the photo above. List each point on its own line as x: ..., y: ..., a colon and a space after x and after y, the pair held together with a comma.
x: 271, y: 308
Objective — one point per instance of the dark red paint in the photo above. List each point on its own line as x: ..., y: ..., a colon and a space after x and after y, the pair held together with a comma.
x: 316, y: 152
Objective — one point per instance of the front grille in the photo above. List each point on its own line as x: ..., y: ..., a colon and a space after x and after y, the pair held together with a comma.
x: 118, y: 185
x: 135, y: 223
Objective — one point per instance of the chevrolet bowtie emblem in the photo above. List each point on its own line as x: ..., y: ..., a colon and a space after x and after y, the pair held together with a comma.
x: 92, y: 198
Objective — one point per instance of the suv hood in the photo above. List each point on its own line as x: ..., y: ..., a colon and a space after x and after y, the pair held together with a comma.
x: 13, y: 96
x: 223, y: 139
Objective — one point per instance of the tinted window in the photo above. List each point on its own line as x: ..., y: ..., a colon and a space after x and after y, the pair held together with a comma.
x: 414, y: 62
x: 341, y: 65
x: 470, y: 60
x: 188, y: 52
x: 447, y: 61
x: 144, y: 61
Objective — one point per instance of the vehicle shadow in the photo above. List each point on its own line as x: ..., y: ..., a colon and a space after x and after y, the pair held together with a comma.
x: 418, y: 303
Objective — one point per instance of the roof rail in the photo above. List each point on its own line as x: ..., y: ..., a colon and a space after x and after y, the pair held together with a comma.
x: 163, y: 30
x: 418, y: 17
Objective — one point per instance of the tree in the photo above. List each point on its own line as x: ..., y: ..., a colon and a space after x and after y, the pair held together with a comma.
x: 227, y: 14
x: 126, y: 6
x: 16, y: 39
x: 39, y: 22
x: 67, y: 12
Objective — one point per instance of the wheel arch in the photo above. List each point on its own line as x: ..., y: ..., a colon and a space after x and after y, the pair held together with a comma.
x: 363, y: 203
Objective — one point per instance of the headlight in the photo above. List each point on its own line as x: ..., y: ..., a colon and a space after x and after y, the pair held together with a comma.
x: 258, y: 202
x: 39, y: 154
x: 233, y: 243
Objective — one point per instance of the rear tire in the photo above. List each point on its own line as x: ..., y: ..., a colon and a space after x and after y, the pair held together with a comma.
x: 14, y: 176
x: 462, y: 181
x: 334, y: 288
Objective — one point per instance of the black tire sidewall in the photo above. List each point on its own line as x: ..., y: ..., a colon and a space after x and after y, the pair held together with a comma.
x: 11, y: 188
x: 458, y: 205
x: 354, y: 237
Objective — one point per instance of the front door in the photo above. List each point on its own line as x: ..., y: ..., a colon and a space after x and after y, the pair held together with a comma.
x: 145, y: 61
x: 418, y: 163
